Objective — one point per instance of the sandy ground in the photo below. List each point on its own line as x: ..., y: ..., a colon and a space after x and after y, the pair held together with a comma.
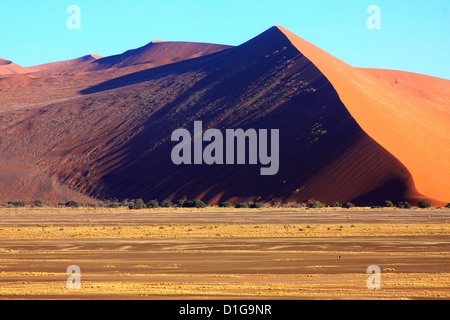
x: 224, y: 253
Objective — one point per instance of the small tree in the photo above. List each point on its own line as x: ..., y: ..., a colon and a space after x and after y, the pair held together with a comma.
x: 136, y: 204
x: 424, y: 204
x: 256, y: 205
x: 153, y: 204
x: 166, y: 203
x: 72, y: 204
x: 194, y: 204
x: 199, y: 204
x: 316, y: 204
x: 18, y: 203
x: 388, y: 204
x: 348, y: 205
x: 225, y: 205
x: 179, y: 203
x: 114, y: 205
x: 335, y: 204
x: 404, y: 205
x: 39, y: 203
x: 242, y: 205
x: 188, y: 204
x: 111, y: 204
x: 448, y: 205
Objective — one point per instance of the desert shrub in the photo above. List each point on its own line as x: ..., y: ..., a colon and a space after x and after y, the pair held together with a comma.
x: 111, y: 204
x: 348, y: 205
x: 17, y: 203
x: 101, y: 204
x: 166, y: 203
x: 199, y: 204
x: 289, y: 204
x: 316, y: 204
x: 424, y: 204
x: 39, y: 203
x: 88, y: 204
x: 124, y: 203
x: 276, y: 204
x: 225, y: 205
x: 448, y: 205
x: 153, y: 204
x: 137, y: 204
x: 114, y: 205
x: 293, y: 205
x: 376, y: 207
x: 242, y: 205
x: 189, y: 204
x: 335, y: 204
x: 388, y: 204
x: 72, y: 204
x: 179, y: 203
x: 404, y: 205
x: 61, y: 204
x: 194, y: 204
x: 256, y: 205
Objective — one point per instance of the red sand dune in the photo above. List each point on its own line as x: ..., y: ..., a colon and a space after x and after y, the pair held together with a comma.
x: 157, y: 53
x: 408, y: 114
x: 73, y: 65
x: 102, y: 128
x: 8, y: 67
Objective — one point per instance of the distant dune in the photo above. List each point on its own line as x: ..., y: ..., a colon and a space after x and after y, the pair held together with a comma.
x: 74, y: 65
x: 157, y: 53
x: 8, y: 67
x: 100, y: 127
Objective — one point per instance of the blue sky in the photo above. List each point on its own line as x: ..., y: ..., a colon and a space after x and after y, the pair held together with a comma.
x: 414, y: 34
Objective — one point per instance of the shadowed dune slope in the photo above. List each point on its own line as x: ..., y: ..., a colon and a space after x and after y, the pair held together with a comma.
x: 112, y: 138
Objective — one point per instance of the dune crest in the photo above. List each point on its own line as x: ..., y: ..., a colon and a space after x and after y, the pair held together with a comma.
x: 157, y: 53
x: 8, y: 67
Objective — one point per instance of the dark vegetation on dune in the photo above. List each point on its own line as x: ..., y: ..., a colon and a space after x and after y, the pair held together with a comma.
x: 137, y: 204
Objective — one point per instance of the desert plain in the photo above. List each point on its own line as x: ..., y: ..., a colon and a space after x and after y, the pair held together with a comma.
x: 223, y: 253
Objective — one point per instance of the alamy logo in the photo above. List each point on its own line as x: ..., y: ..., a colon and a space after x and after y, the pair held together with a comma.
x: 74, y: 20
x: 374, y: 21
x: 234, y: 151
x: 74, y: 281
x: 374, y: 281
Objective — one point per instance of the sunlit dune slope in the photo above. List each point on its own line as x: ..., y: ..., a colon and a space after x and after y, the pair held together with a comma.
x: 8, y: 67
x: 407, y: 114
x: 157, y: 53
x: 72, y: 66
